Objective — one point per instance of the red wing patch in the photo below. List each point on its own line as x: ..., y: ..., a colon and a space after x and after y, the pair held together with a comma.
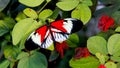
x: 42, y: 32
x: 58, y: 25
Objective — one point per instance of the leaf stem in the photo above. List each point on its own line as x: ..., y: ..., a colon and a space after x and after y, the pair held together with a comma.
x: 42, y: 7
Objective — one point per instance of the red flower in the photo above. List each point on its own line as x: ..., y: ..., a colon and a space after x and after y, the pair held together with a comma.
x: 60, y: 48
x: 81, y: 52
x: 105, y: 23
x: 102, y: 66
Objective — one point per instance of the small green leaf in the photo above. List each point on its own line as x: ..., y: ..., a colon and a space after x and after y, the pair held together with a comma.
x: 30, y: 13
x: 114, y: 45
x: 35, y: 60
x: 3, y: 4
x: 101, y: 58
x: 117, y: 29
x: 45, y: 14
x: 20, y: 16
x: 73, y: 40
x: 31, y: 3
x: 67, y: 5
x: 88, y: 62
x: 110, y: 65
x: 82, y: 12
x: 5, y: 64
x: 97, y: 44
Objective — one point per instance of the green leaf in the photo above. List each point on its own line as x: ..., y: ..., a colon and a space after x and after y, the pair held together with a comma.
x: 9, y: 22
x: 30, y: 13
x: 3, y: 28
x: 22, y: 55
x: 118, y: 65
x: 55, y: 13
x: 67, y: 5
x: 3, y: 4
x: 20, y: 16
x: 117, y: 29
x: 34, y: 25
x: 82, y: 12
x: 35, y: 60
x: 114, y: 45
x: 87, y: 2
x: 116, y: 16
x: 45, y: 14
x: 110, y: 65
x: 66, y: 0
x: 10, y: 52
x: 48, y: 1
x: 101, y: 58
x: 115, y: 58
x: 4, y: 64
x: 88, y: 62
x: 20, y: 29
x: 31, y: 3
x: 97, y: 44
x: 23, y: 29
x: 73, y: 40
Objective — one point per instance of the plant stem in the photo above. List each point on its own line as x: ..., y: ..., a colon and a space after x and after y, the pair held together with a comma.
x: 42, y: 7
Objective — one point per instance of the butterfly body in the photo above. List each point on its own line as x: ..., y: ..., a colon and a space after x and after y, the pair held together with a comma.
x: 57, y: 31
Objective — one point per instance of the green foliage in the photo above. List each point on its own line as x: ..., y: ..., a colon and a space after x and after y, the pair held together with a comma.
x: 110, y: 65
x: 73, y: 40
x: 81, y: 13
x: 30, y: 13
x: 34, y: 59
x: 20, y: 16
x: 69, y: 5
x: 45, y: 14
x: 3, y: 28
x: 117, y: 29
x: 5, y: 64
x: 6, y: 25
x: 31, y: 3
x: 89, y: 62
x: 97, y: 44
x: 19, y: 20
x: 79, y: 8
x: 10, y: 52
x: 20, y: 29
x: 114, y: 44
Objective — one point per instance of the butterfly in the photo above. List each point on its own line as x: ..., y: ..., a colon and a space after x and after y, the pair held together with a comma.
x: 57, y: 31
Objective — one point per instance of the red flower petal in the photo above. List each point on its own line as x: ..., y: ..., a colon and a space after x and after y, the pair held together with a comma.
x: 60, y: 48
x: 81, y: 52
x: 105, y: 23
x: 102, y: 66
